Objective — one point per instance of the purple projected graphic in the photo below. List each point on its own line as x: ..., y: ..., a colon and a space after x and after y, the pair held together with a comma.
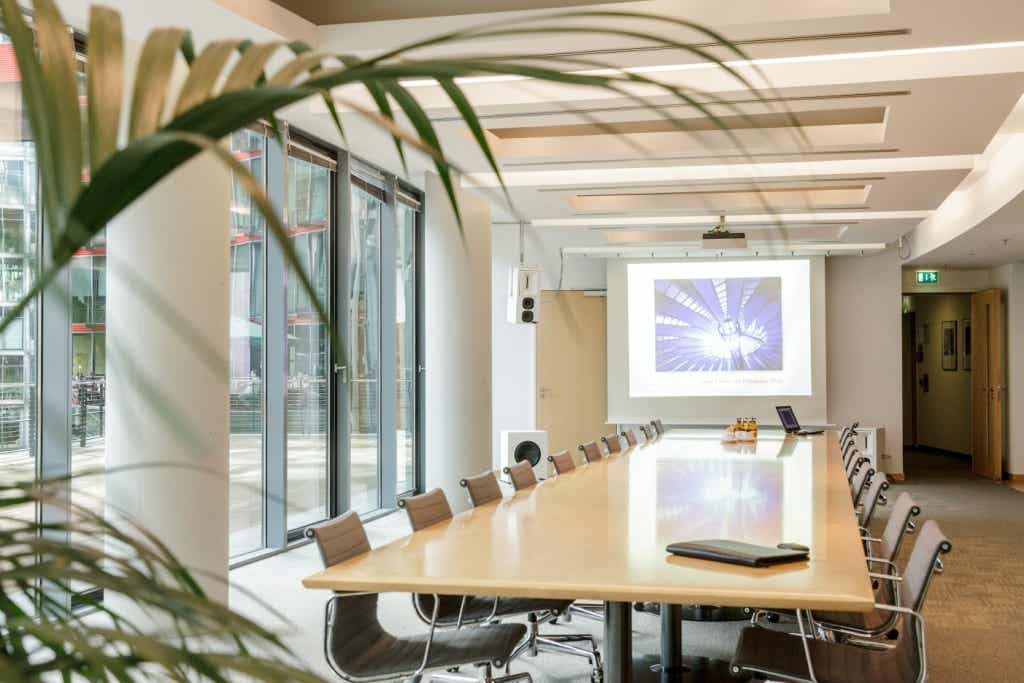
x: 718, y: 325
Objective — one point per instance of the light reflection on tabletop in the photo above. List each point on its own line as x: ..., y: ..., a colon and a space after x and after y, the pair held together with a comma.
x: 600, y: 531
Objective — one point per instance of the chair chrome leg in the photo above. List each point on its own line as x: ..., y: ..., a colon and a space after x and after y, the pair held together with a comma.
x: 453, y: 677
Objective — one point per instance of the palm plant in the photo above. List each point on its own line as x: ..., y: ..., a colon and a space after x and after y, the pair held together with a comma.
x: 228, y: 86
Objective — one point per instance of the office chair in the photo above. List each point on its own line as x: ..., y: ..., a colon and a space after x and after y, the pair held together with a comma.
x: 873, y: 497
x: 653, y: 425
x: 482, y: 489
x: 659, y: 425
x: 522, y: 475
x: 882, y: 551
x: 879, y: 553
x: 562, y: 462
x: 860, y: 483
x: 631, y: 439
x: 359, y: 649
x: 612, y: 443
x: 854, y: 466
x: 778, y: 655
x: 430, y: 508
x: 648, y: 432
x: 591, y: 451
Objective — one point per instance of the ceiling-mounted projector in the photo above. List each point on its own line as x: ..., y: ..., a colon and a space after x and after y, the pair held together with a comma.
x: 719, y: 237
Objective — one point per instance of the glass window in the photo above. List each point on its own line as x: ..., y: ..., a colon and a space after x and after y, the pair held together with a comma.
x: 364, y: 349
x: 246, y: 351
x: 19, y: 260
x: 309, y: 211
x: 405, y: 347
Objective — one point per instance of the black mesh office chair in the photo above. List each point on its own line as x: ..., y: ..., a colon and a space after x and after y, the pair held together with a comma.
x: 778, y: 655
x: 359, y: 649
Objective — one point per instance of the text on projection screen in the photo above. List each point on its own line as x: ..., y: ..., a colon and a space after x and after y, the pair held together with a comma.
x: 719, y: 328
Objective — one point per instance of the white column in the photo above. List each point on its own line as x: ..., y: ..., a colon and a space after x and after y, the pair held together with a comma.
x: 167, y: 346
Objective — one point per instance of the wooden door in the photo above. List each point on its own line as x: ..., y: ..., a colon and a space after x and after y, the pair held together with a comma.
x: 987, y: 383
x: 572, y: 368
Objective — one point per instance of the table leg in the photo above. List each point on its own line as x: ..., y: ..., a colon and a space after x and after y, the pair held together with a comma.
x: 671, y: 642
x: 618, y: 642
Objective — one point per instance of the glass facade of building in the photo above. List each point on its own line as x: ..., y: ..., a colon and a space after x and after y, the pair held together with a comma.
x: 306, y: 436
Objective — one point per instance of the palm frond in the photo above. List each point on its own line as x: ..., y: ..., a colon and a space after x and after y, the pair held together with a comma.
x: 228, y: 85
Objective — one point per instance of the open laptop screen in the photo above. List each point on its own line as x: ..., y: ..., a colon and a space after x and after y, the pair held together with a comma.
x: 788, y: 418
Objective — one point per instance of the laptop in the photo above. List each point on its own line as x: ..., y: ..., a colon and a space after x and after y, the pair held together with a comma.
x: 791, y: 424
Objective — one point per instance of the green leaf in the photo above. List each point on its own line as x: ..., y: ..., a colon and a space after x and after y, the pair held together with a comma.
x: 470, y: 118
x: 425, y: 129
x: 57, y: 55
x: 202, y: 77
x: 152, y: 80
x: 251, y: 65
x: 105, y: 72
x: 41, y: 115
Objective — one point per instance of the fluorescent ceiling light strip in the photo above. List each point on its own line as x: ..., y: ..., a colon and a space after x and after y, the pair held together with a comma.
x: 662, y: 174
x: 782, y: 248
x: 641, y: 221
x: 764, y: 61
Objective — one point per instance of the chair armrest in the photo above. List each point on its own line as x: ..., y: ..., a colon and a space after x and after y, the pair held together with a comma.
x: 870, y: 539
x: 880, y: 560
x: 430, y: 636
x: 887, y: 577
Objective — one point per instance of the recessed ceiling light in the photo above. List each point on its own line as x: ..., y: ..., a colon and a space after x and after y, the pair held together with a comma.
x: 641, y: 221
x: 659, y: 174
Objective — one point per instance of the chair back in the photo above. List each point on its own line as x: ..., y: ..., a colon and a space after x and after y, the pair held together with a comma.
x: 612, y: 442
x: 930, y: 544
x: 562, y: 462
x: 631, y: 439
x: 657, y: 430
x: 482, y: 489
x: 340, y: 539
x: 860, y: 482
x: 899, y: 520
x: 522, y: 475
x: 426, y: 509
x: 872, y: 497
x: 660, y: 425
x: 854, y: 465
x: 591, y: 451
x: 351, y: 622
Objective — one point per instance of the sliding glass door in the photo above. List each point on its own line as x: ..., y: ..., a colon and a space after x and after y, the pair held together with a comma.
x: 313, y: 432
x: 364, y: 328
x: 248, y: 277
x: 406, y: 366
x: 310, y: 211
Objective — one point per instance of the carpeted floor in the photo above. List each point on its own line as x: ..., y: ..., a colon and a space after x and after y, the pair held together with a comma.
x: 973, y: 630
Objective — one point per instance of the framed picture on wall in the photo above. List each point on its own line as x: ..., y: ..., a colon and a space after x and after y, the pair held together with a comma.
x: 965, y: 345
x: 949, y: 345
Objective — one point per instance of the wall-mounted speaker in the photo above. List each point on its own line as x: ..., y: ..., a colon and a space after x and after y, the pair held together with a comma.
x: 524, y: 295
x: 519, y: 446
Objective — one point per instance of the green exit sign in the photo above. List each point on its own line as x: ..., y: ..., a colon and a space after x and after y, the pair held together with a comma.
x: 927, y: 277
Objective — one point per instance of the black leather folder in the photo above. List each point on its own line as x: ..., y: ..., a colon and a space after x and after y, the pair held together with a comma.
x: 736, y: 552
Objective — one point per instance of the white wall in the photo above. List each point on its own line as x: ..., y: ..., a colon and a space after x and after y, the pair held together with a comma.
x: 457, y: 340
x: 514, y: 347
x: 864, y: 351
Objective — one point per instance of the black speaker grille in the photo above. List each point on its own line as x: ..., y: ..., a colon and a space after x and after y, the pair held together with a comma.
x: 528, y: 451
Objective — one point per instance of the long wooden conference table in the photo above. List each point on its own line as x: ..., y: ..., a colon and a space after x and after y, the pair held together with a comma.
x: 600, y: 532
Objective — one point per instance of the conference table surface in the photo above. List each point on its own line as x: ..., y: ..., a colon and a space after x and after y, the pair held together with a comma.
x: 600, y: 532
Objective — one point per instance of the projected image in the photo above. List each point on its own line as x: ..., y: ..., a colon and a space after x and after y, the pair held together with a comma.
x: 718, y: 324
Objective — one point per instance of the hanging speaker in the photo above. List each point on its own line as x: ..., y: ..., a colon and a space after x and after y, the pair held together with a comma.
x: 524, y: 295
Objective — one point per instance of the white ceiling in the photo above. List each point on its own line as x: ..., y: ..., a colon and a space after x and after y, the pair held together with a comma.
x: 945, y: 75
